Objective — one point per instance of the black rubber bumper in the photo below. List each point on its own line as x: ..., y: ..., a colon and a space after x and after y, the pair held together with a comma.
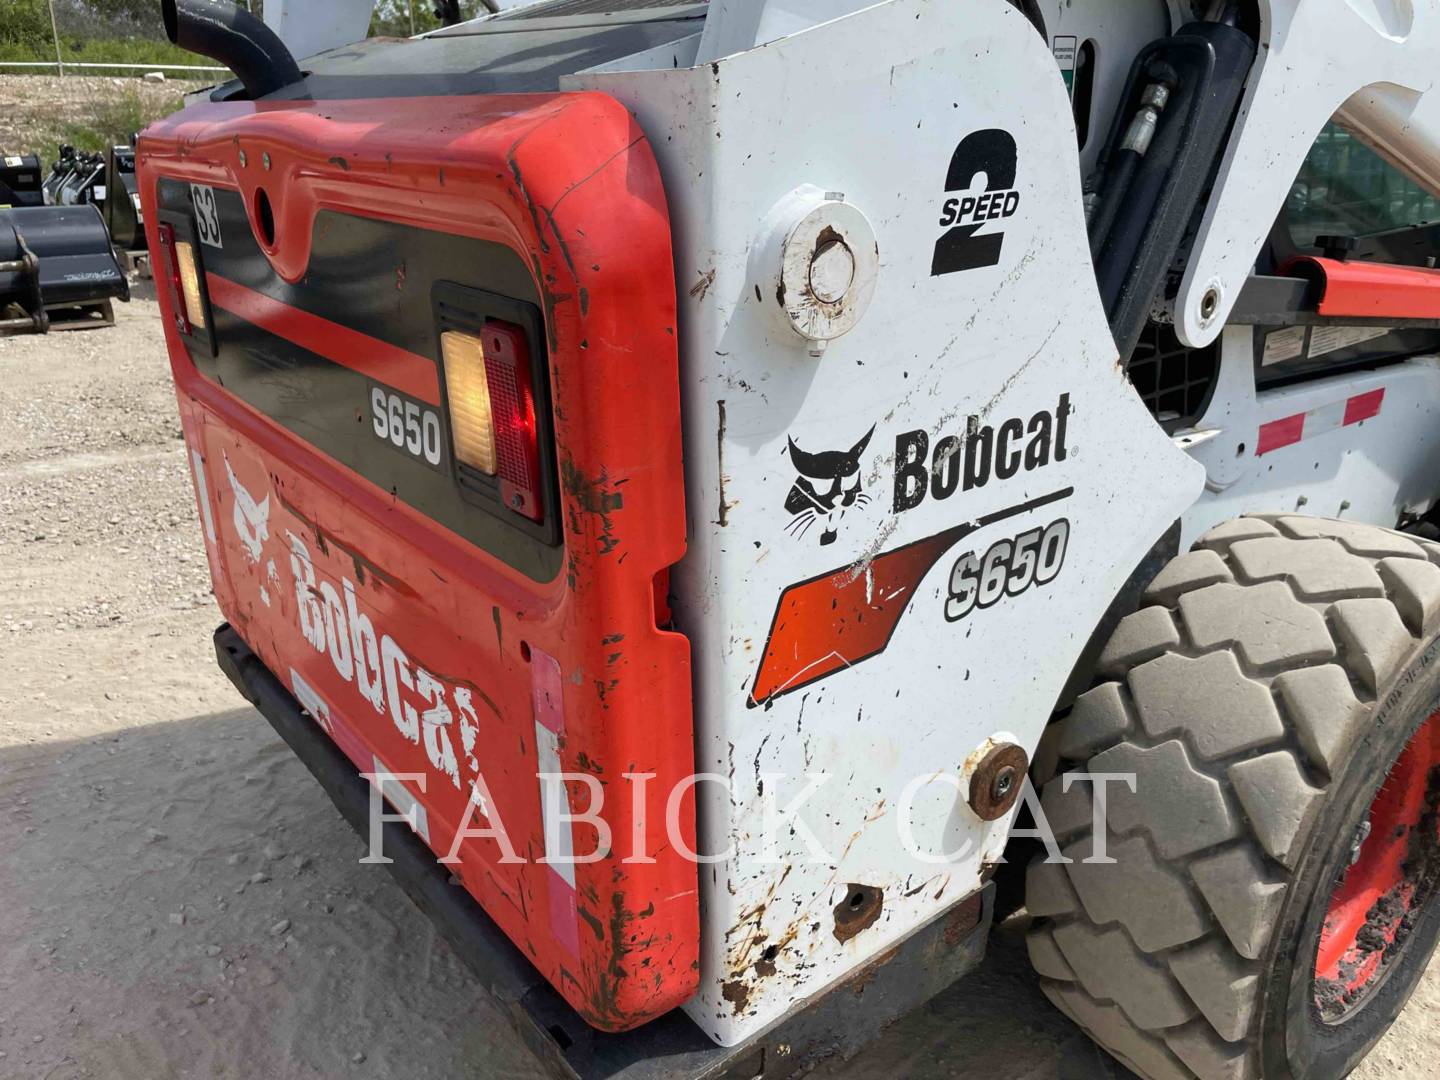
x: 836, y: 1024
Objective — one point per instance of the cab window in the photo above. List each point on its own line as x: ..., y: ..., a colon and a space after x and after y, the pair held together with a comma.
x: 1346, y: 189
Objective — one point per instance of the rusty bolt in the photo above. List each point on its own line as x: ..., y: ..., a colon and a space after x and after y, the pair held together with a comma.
x: 996, y: 782
x: 1004, y: 781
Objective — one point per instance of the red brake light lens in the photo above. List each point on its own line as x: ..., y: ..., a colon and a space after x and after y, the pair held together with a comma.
x: 170, y: 273
x: 512, y: 408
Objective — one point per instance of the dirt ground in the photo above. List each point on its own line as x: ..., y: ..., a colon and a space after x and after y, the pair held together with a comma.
x: 177, y: 896
x: 37, y: 111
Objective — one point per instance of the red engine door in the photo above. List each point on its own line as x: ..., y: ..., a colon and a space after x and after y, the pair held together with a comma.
x: 480, y: 625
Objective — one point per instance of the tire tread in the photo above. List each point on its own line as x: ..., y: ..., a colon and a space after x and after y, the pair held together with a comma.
x: 1285, y: 630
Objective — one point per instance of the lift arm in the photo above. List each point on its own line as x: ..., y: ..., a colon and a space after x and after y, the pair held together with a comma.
x: 1369, y: 62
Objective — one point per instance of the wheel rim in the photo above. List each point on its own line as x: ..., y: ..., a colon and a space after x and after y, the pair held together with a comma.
x: 1393, y: 876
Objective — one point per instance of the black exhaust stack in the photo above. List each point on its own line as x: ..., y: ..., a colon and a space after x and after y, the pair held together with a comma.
x: 223, y: 32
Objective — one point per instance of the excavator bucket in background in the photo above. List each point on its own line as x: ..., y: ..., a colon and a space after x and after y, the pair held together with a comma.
x: 57, y: 270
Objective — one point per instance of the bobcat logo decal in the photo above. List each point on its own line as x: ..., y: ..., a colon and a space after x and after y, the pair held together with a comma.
x: 827, y: 485
x: 252, y: 519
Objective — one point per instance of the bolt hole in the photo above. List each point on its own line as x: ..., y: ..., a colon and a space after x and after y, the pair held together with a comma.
x: 1210, y: 303
x: 525, y: 651
x: 1240, y: 450
x: 265, y: 218
x: 771, y: 952
x: 857, y: 910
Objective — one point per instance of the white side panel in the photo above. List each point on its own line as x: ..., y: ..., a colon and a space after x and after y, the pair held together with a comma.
x: 904, y: 110
x: 731, y: 26
x: 311, y: 26
x: 1370, y: 470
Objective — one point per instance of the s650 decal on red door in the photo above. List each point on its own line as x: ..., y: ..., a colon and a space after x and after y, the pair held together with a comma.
x: 406, y: 424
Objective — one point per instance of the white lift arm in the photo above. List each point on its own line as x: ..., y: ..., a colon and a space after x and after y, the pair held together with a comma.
x: 311, y: 26
x: 1370, y: 61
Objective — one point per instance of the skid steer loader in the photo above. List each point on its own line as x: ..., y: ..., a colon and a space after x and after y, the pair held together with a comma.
x: 679, y: 472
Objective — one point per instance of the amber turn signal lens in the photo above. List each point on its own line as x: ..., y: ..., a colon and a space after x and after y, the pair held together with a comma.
x: 471, y: 424
x: 190, y: 283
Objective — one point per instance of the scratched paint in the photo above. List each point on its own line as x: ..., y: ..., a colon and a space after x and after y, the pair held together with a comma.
x: 412, y: 646
x: 829, y: 653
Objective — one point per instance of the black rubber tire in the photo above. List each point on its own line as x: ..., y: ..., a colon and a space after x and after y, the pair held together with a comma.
x: 1259, y: 696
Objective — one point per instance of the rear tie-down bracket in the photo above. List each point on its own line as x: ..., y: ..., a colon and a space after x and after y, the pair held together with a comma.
x: 836, y: 1023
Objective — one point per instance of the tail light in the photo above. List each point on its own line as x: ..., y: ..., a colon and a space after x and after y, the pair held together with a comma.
x: 182, y: 280
x: 492, y: 410
x: 174, y: 286
x: 190, y: 283
x: 472, y: 425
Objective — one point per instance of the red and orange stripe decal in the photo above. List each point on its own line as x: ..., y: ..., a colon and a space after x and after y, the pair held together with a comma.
x: 846, y: 616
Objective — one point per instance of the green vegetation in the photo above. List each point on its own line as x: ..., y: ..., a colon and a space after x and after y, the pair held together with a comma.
x: 91, y: 31
x: 130, y: 32
x: 25, y: 23
x: 115, y: 51
x: 401, y: 18
x: 106, y: 122
x: 113, y: 121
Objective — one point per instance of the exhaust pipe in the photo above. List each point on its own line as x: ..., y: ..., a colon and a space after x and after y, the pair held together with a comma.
x: 220, y: 30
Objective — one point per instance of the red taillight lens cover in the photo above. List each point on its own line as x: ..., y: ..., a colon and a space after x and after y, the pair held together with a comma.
x: 170, y: 274
x: 512, y: 407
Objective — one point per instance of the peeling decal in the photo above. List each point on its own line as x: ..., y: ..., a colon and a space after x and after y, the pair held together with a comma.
x: 848, y: 615
x: 417, y: 702
x: 252, y: 519
x: 202, y: 489
x: 394, y: 791
x: 427, y: 710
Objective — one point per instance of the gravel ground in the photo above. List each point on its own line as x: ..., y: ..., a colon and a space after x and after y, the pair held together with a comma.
x: 32, y: 107
x: 178, y: 898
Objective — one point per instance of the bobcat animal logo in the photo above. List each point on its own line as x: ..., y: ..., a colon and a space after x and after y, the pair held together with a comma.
x: 252, y: 519
x: 827, y: 485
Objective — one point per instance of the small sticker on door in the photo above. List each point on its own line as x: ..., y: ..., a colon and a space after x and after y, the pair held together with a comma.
x: 1328, y: 339
x: 1065, y: 49
x: 207, y: 215
x: 1283, y: 345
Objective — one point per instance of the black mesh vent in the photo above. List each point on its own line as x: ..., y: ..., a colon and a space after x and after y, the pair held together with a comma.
x: 559, y: 8
x: 1172, y: 380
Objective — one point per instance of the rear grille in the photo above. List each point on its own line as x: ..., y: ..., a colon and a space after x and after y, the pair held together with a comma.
x: 557, y: 9
x: 1173, y: 381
